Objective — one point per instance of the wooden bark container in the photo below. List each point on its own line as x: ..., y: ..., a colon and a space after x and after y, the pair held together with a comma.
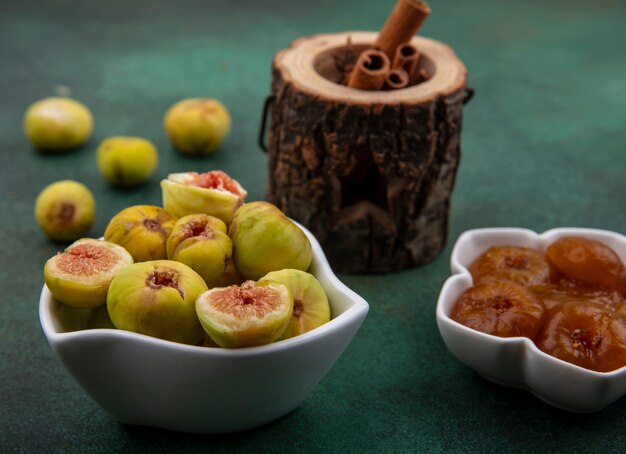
x: 370, y: 173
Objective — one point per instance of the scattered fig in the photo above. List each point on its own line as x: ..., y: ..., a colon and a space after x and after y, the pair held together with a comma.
x: 501, y: 308
x: 127, y: 161
x: 200, y: 242
x: 256, y: 313
x: 197, y: 126
x: 521, y: 265
x: 57, y: 124
x: 157, y: 298
x: 214, y: 193
x: 310, y: 303
x: 143, y: 230
x: 265, y: 240
x: 65, y: 210
x: 80, y: 275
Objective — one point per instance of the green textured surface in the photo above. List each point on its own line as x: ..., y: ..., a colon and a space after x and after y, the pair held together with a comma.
x: 543, y: 146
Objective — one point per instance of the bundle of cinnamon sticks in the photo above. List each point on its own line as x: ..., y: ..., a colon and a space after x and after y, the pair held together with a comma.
x: 393, y: 61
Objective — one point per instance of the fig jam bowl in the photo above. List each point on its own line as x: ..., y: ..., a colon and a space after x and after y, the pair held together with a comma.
x: 516, y: 361
x: 146, y: 381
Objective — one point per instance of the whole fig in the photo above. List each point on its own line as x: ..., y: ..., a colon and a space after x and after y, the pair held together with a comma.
x: 143, y: 230
x: 157, y: 298
x: 310, y: 303
x: 65, y: 210
x: 265, y: 240
x: 197, y: 126
x: 200, y: 242
x: 127, y: 161
x: 57, y: 124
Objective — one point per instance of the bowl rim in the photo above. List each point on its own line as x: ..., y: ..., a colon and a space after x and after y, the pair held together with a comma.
x: 358, y: 308
x: 460, y: 272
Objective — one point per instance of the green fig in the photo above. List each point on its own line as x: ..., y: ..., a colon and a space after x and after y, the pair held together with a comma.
x: 197, y: 126
x: 256, y: 313
x: 65, y: 210
x: 310, y: 303
x: 80, y: 275
x: 265, y: 240
x: 157, y: 298
x: 200, y: 242
x: 127, y: 161
x: 143, y: 230
x: 58, y: 124
x: 213, y: 193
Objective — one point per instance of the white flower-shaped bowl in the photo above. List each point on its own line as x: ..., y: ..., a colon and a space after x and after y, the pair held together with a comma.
x: 152, y: 382
x: 516, y: 361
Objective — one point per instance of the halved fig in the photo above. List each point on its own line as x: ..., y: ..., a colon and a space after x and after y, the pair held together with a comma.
x: 256, y: 313
x: 588, y: 261
x: 200, y: 242
x: 157, y: 298
x: 310, y: 303
x: 521, y: 265
x: 80, y: 275
x: 265, y: 240
x: 214, y: 193
x: 143, y: 230
x: 501, y: 308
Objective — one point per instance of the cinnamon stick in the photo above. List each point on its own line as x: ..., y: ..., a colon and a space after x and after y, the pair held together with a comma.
x: 396, y: 78
x: 406, y: 57
x: 370, y: 70
x: 403, y: 22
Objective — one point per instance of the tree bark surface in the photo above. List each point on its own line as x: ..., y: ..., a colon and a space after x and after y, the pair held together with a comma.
x: 369, y: 173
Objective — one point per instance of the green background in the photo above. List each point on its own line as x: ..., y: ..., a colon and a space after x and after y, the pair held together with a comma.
x: 543, y: 146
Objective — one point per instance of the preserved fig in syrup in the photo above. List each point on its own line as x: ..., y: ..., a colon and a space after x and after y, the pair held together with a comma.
x: 586, y: 334
x: 522, y: 265
x: 589, y: 262
x: 502, y: 308
x: 570, y: 302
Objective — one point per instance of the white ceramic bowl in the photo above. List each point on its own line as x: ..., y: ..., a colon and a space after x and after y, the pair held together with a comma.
x: 152, y: 382
x: 517, y: 362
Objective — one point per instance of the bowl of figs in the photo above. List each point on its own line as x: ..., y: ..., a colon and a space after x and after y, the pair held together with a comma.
x: 205, y: 315
x: 544, y: 312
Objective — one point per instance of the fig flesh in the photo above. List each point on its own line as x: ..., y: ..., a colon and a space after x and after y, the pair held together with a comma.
x: 200, y: 242
x: 213, y: 193
x: 80, y: 275
x: 58, y: 124
x: 157, y: 298
x: 265, y: 240
x: 65, y: 210
x: 310, y: 303
x: 143, y: 230
x: 197, y: 126
x: 256, y: 313
x: 127, y: 161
